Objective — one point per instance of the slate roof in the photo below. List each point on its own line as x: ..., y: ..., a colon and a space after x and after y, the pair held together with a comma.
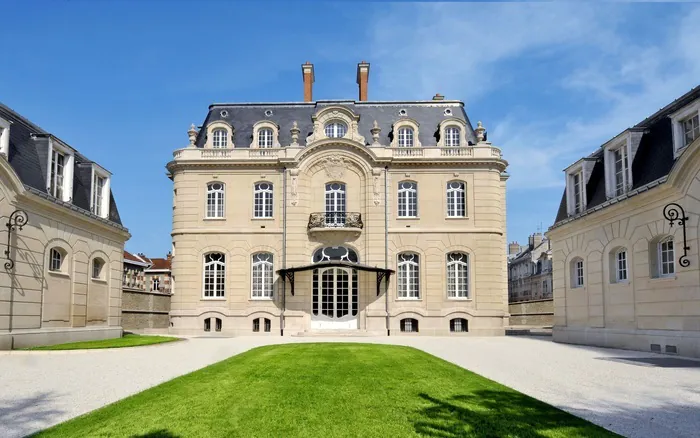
x: 653, y: 160
x: 428, y: 114
x: 29, y: 157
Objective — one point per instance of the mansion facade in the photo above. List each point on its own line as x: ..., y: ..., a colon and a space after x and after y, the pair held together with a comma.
x: 625, y: 241
x: 353, y: 215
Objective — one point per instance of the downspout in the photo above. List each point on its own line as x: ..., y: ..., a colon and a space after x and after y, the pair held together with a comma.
x: 284, y: 247
x: 386, y: 248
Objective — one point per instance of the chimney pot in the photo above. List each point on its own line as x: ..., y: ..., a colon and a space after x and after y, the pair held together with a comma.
x: 362, y: 79
x: 438, y: 96
x: 307, y: 73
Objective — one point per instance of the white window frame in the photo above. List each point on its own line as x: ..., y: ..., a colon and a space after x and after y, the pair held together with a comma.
x: 571, y: 196
x: 218, y: 289
x: 56, y: 259
x: 155, y: 284
x: 265, y: 137
x: 407, y: 198
x: 405, y: 123
x: 228, y: 137
x: 452, y: 197
x: 332, y: 129
x: 457, y: 261
x: 215, y: 207
x: 406, y: 137
x: 677, y: 120
x: 262, y: 266
x: 408, y: 276
x: 452, y: 136
x: 578, y: 273
x: 95, y: 263
x: 104, y: 196
x: 5, y: 137
x: 264, y: 141
x: 621, y: 144
x: 621, y: 266
x: 69, y: 159
x: 219, y: 138
x: 265, y: 199
x: 668, y: 268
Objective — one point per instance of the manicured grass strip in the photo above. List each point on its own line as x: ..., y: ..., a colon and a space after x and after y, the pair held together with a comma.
x: 128, y: 340
x: 329, y: 390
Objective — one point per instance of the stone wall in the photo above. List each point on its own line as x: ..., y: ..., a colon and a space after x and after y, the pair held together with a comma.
x: 532, y: 313
x: 145, y: 310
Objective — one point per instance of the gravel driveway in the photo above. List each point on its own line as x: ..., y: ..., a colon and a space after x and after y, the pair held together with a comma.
x: 634, y: 394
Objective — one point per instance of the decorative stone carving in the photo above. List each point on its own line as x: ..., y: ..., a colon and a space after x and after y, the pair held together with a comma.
x: 375, y: 133
x: 336, y: 113
x: 295, y: 182
x: 192, y: 134
x: 376, y: 173
x: 335, y: 166
x: 295, y: 134
x: 480, y: 132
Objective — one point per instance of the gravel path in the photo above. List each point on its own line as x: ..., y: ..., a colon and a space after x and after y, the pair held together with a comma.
x: 616, y: 389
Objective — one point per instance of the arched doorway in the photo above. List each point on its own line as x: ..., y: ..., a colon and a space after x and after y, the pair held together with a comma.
x: 335, y: 293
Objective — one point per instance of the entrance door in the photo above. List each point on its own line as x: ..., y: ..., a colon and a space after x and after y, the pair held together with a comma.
x: 335, y: 205
x: 335, y: 299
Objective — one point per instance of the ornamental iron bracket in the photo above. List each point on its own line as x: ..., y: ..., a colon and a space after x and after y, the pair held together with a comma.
x: 674, y: 213
x: 17, y: 220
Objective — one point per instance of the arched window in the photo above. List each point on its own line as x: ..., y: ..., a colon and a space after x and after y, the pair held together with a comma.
x: 408, y: 199
x: 215, y: 200
x: 214, y: 275
x: 265, y: 138
x: 56, y: 256
x: 335, y: 204
x: 336, y: 130
x: 405, y: 137
x: 456, y: 199
x: 667, y: 265
x: 409, y: 325
x: 97, y: 265
x: 459, y: 325
x: 619, y: 265
x: 457, y: 275
x: 408, y: 275
x: 218, y: 324
x: 263, y: 276
x: 263, y: 200
x: 207, y: 325
x: 268, y: 325
x: 452, y: 136
x: 577, y: 274
x: 220, y: 138
x: 256, y: 325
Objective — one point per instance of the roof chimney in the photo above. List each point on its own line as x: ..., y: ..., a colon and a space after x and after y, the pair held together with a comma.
x: 513, y: 248
x: 307, y: 72
x: 362, y: 78
x: 438, y: 96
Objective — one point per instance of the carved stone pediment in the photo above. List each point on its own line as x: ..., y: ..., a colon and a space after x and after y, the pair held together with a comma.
x: 331, y: 114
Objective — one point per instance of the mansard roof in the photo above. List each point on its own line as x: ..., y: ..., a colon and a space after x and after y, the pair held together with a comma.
x: 428, y: 115
x: 29, y: 157
x: 653, y: 160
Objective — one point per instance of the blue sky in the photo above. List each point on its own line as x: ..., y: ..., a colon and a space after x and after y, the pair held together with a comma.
x: 121, y: 81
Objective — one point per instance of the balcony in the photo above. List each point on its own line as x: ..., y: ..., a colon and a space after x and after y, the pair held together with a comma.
x: 335, y: 228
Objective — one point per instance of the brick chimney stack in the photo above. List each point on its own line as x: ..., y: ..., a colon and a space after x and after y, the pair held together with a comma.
x: 307, y: 72
x: 362, y: 78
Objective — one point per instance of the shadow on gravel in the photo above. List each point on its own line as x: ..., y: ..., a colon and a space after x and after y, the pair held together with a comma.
x: 27, y: 415
x: 660, y: 362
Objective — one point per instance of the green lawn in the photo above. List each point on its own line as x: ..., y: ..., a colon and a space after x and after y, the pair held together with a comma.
x: 329, y: 390
x: 128, y: 340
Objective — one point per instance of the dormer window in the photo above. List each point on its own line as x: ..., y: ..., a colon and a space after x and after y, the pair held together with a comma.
x: 265, y: 138
x: 452, y: 136
x: 577, y: 176
x: 617, y: 155
x: 686, y: 126
x: 60, y: 171
x: 452, y: 133
x: 4, y: 137
x: 691, y: 129
x: 58, y: 164
x: 265, y: 135
x: 220, y: 139
x: 406, y: 137
x: 577, y: 192
x: 336, y: 130
x: 621, y: 169
x: 99, y: 201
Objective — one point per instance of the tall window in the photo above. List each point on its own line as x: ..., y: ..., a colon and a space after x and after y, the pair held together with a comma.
x: 214, y: 275
x: 666, y: 257
x: 544, y: 289
x: 335, y: 204
x: 621, y: 265
x: 408, y: 199
x: 621, y: 170
x: 97, y: 265
x: 263, y: 200
x: 58, y: 161
x: 56, y: 260
x: 98, y: 187
x: 405, y: 137
x: 577, y: 192
x: 220, y: 138
x: 457, y: 275
x: 336, y: 129
x: 265, y: 138
x: 155, y: 285
x: 691, y: 129
x: 409, y: 277
x: 215, y: 200
x: 456, y: 199
x: 262, y: 275
x: 577, y: 273
x: 452, y: 136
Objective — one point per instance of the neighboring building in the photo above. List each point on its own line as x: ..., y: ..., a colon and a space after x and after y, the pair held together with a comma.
x: 530, y: 271
x: 146, y: 293
x: 290, y: 217
x: 62, y: 267
x: 624, y: 274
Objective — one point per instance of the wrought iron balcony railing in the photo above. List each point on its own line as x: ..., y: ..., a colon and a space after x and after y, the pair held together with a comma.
x: 335, y: 219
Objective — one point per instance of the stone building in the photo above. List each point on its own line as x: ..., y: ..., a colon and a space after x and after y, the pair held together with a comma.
x: 62, y: 269
x: 625, y: 241
x: 530, y: 271
x: 145, y: 293
x: 371, y: 216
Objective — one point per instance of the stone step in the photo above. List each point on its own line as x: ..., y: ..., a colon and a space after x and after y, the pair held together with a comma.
x: 333, y: 333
